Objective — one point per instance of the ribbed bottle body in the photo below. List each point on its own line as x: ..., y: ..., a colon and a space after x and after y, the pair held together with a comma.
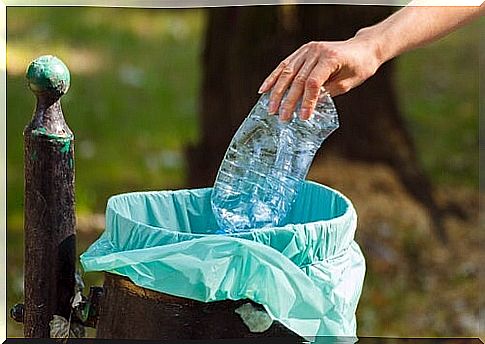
x: 265, y: 163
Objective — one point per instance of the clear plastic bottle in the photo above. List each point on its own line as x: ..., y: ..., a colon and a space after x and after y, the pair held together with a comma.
x: 265, y: 164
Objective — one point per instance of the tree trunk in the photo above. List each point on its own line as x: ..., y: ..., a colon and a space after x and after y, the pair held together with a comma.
x: 244, y: 44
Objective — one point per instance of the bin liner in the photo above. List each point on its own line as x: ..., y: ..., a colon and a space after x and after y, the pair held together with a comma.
x: 308, y: 273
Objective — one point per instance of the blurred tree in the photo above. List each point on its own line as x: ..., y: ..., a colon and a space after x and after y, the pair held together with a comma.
x: 244, y: 44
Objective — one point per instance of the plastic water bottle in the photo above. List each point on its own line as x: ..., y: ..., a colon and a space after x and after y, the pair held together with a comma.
x: 265, y: 164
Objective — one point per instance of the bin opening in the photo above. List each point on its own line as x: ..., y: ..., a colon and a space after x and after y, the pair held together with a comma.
x: 189, y: 211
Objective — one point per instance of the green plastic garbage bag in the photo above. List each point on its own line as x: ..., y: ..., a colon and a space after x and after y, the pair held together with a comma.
x: 308, y: 274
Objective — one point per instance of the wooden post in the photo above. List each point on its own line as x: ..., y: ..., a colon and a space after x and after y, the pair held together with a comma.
x: 49, y: 201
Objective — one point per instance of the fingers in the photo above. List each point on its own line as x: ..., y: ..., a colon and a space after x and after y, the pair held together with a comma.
x: 306, y: 70
x: 271, y: 79
x: 284, y: 80
x: 297, y: 89
x: 314, y: 82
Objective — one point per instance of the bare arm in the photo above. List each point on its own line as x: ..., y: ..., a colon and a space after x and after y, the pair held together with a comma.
x: 341, y: 66
x: 416, y: 26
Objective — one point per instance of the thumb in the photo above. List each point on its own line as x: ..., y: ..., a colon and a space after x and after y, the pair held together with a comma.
x: 338, y: 87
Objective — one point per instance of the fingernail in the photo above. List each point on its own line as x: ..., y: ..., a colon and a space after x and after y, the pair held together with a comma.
x: 283, y: 116
x: 272, y: 107
x: 261, y: 89
x: 284, y: 113
x: 304, y: 113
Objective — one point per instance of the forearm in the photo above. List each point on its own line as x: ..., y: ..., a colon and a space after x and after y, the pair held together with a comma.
x: 415, y: 26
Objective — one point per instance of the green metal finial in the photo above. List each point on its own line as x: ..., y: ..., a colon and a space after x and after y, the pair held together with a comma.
x: 48, y: 73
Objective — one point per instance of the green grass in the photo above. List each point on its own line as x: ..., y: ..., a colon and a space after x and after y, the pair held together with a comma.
x: 132, y: 104
x: 439, y: 94
x: 132, y: 116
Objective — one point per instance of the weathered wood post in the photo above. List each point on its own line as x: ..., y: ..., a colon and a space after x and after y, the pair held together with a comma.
x: 50, y: 251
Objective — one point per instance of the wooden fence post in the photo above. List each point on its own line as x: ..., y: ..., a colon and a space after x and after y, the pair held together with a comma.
x: 49, y: 223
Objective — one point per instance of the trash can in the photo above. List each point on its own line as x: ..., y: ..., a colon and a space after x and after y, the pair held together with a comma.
x: 307, y: 275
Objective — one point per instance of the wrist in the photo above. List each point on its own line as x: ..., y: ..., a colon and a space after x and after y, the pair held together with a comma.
x: 373, y: 43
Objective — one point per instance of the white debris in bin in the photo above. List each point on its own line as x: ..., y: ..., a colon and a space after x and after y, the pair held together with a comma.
x: 256, y: 320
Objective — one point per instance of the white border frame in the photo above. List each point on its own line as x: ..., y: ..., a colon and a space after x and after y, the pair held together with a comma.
x: 152, y: 4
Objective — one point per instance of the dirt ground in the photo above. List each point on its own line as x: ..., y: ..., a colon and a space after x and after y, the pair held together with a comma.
x: 415, y: 285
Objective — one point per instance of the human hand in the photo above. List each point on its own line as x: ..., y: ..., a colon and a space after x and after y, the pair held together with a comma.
x: 337, y: 66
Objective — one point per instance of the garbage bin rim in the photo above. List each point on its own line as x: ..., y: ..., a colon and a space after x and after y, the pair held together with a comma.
x: 349, y: 212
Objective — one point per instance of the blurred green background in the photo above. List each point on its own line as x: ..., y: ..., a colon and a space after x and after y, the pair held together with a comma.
x: 133, y: 107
